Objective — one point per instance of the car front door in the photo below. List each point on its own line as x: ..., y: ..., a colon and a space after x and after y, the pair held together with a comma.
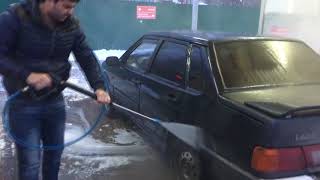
x: 125, y: 80
x: 162, y: 88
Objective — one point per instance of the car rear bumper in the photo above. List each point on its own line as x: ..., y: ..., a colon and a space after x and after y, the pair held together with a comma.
x: 232, y: 171
x: 307, y: 177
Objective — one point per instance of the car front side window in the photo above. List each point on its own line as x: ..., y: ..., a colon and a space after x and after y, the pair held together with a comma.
x: 170, y: 62
x: 140, y: 58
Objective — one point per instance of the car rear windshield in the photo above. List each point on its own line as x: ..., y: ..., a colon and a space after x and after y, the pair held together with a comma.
x: 263, y: 63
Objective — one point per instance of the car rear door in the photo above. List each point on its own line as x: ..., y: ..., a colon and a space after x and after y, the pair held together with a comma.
x: 195, y: 100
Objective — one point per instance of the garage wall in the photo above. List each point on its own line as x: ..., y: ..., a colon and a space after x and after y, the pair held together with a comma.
x: 112, y: 24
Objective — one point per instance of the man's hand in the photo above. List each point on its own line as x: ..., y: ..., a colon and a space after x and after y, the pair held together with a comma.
x: 39, y: 80
x: 102, y: 96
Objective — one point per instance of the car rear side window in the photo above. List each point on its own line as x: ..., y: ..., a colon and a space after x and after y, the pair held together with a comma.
x: 196, y: 80
x: 170, y: 62
x: 139, y: 59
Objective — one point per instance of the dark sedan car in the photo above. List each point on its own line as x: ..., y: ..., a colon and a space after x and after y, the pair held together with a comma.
x: 255, y: 98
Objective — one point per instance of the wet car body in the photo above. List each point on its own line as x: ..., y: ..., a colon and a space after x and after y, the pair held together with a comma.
x: 250, y: 115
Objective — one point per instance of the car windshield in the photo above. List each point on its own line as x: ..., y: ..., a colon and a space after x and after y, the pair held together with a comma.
x: 264, y: 63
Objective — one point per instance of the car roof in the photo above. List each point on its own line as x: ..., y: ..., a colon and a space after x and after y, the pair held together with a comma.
x: 205, y: 37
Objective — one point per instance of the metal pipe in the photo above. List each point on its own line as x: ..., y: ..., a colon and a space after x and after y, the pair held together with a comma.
x: 195, y: 13
x: 134, y: 112
x: 261, y: 18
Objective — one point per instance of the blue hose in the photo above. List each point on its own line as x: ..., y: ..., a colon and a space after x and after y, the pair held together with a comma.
x: 5, y: 120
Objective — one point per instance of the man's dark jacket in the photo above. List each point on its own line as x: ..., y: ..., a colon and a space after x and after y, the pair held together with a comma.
x: 27, y: 45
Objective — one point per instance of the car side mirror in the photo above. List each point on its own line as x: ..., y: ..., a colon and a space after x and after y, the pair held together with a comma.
x: 112, y: 61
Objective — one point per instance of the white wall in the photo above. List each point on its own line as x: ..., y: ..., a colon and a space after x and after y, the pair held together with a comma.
x: 304, y: 7
x: 299, y: 19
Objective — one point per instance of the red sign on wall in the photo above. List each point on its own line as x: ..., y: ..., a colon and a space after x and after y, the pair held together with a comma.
x: 146, y: 12
x: 276, y: 30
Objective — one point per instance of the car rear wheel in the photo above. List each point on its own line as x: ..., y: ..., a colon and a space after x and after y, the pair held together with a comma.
x: 185, y: 162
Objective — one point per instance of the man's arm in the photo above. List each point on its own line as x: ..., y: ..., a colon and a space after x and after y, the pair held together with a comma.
x: 9, y: 26
x: 89, y: 64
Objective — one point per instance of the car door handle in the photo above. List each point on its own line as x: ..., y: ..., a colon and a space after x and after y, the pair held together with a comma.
x: 135, y: 81
x: 172, y: 98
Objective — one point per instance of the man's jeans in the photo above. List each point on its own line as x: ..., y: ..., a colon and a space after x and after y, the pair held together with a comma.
x: 33, y: 122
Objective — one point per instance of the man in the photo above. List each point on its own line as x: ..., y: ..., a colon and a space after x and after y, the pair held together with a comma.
x: 37, y: 37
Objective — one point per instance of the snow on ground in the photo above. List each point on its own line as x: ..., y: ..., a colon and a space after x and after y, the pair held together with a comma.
x: 2, y: 144
x: 90, y: 146
x: 92, y: 156
x: 87, y: 166
x: 125, y: 137
x: 116, y: 141
x: 77, y: 77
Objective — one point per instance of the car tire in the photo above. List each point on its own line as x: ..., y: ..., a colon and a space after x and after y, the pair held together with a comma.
x: 185, y: 162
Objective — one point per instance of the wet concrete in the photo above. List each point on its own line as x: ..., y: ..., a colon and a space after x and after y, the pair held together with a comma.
x: 114, y: 151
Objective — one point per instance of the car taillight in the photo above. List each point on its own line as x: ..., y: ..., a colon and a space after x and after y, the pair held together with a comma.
x: 312, y: 154
x: 266, y: 160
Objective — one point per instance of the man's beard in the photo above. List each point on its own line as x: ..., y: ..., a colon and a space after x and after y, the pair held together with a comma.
x: 57, y: 18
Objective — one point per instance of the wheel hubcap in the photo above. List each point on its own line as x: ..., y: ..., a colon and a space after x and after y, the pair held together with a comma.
x: 189, y: 168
